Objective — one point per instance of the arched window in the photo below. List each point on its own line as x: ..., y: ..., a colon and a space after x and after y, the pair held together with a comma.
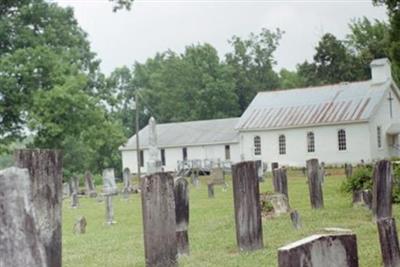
x: 282, y: 144
x: 310, y: 142
x: 257, y: 145
x: 342, y: 140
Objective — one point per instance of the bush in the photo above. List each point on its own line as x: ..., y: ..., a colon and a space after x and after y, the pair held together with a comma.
x: 396, y: 183
x: 360, y: 180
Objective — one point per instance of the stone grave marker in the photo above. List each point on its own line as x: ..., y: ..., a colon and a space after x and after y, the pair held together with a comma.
x: 127, y: 176
x: 45, y: 173
x: 382, y: 190
x: 327, y: 250
x: 314, y: 184
x: 80, y: 225
x: 295, y: 218
x: 181, y: 194
x: 158, y: 209
x: 279, y: 181
x: 348, y: 170
x: 110, y: 189
x: 75, y: 190
x: 389, y: 242
x: 210, y: 188
x: 218, y: 177
x: 89, y: 185
x: 21, y: 243
x: 247, y: 207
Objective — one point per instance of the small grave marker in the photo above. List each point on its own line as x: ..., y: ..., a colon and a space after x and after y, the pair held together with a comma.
x: 181, y: 193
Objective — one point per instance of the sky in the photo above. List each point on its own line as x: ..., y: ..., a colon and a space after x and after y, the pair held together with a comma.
x: 152, y: 26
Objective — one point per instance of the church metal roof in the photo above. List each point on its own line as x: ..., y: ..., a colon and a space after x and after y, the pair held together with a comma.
x: 192, y: 133
x: 330, y: 104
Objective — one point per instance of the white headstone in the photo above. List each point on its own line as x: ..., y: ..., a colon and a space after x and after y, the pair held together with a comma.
x: 154, y: 163
x: 109, y: 185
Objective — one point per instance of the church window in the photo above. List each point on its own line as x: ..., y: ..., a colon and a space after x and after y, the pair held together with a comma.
x: 257, y: 145
x: 379, y: 136
x: 282, y: 144
x: 342, y: 140
x: 163, y: 157
x: 310, y: 142
x: 227, y: 152
x: 141, y: 158
x: 184, y: 154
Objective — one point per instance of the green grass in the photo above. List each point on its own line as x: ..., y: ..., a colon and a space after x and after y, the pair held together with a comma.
x: 211, y: 229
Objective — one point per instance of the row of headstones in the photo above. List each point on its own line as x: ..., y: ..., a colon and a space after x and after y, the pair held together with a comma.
x: 165, y: 216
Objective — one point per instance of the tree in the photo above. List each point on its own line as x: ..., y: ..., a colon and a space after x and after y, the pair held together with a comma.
x: 122, y: 4
x: 393, y: 7
x: 290, y: 79
x: 333, y: 63
x: 252, y: 64
x: 40, y: 45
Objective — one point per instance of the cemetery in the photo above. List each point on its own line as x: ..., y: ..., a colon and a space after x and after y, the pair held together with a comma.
x: 198, y: 156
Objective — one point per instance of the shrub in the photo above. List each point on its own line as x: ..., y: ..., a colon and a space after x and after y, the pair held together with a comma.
x: 396, y: 183
x: 360, y: 180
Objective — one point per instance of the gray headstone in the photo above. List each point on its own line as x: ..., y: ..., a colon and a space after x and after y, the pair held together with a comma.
x: 154, y: 164
x: 109, y: 185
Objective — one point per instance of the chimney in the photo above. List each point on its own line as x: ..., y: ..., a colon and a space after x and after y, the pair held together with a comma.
x: 380, y: 70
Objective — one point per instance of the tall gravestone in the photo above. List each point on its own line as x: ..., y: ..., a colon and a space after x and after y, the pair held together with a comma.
x: 389, y: 242
x: 75, y: 190
x: 89, y: 185
x: 45, y: 173
x: 348, y: 170
x: 110, y: 189
x: 154, y: 163
x: 126, y: 175
x: 280, y: 181
x: 246, y: 198
x: 181, y: 193
x: 20, y: 241
x: 158, y: 209
x: 382, y: 190
x: 336, y: 250
x: 314, y: 184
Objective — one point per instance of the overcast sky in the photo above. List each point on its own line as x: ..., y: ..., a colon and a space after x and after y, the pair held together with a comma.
x: 154, y: 26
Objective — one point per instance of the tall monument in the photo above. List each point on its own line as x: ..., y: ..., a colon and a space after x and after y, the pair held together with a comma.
x: 154, y: 163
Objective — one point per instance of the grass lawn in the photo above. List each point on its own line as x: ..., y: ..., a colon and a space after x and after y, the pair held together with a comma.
x: 212, y: 228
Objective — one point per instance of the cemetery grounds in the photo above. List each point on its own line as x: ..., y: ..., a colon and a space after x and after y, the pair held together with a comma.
x: 212, y: 227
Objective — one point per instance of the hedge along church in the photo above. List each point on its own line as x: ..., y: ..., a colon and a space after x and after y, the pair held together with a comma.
x: 342, y: 123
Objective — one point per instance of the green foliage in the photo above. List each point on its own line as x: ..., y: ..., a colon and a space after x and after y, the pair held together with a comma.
x: 360, y: 180
x: 396, y: 184
x: 122, y: 4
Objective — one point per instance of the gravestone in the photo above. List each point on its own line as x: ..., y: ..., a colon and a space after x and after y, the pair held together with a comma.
x: 21, y: 243
x: 389, y: 242
x: 348, y: 170
x: 279, y: 180
x: 195, y: 176
x: 154, y: 164
x: 109, y: 210
x: 218, y: 177
x: 322, y: 172
x: 314, y: 184
x: 246, y: 198
x: 330, y: 250
x: 274, y: 165
x: 80, y: 225
x: 45, y: 172
x: 109, y: 185
x: 126, y: 175
x: 66, y: 190
x: 75, y: 190
x: 382, y: 190
x: 295, y: 218
x: 278, y: 202
x: 89, y: 185
x: 159, y: 226
x: 181, y: 194
x: 210, y: 188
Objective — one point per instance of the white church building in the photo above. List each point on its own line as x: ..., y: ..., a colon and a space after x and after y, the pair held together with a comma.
x: 341, y: 123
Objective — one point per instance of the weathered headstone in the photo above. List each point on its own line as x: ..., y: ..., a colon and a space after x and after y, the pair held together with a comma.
x: 66, y: 190
x: 126, y: 175
x: 278, y: 202
x: 389, y: 242
x: 247, y: 206
x: 195, y: 177
x: 362, y: 198
x: 295, y: 218
x: 20, y: 241
x: 367, y: 198
x: 314, y: 184
x: 158, y: 208
x: 260, y: 171
x: 334, y: 250
x: 75, y: 190
x: 274, y: 165
x: 109, y: 185
x: 45, y: 172
x: 279, y: 180
x: 382, y: 190
x: 210, y: 188
x: 154, y: 164
x: 218, y: 177
x: 181, y: 193
x: 109, y: 210
x: 322, y: 172
x: 89, y: 185
x: 80, y: 225
x: 348, y: 170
